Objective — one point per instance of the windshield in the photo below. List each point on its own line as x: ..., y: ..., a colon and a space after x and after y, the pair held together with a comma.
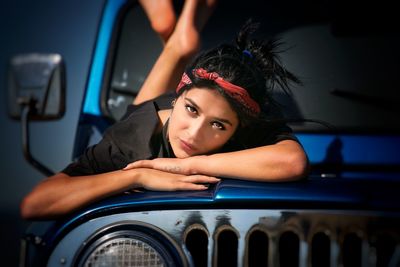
x: 346, y: 111
x: 347, y: 60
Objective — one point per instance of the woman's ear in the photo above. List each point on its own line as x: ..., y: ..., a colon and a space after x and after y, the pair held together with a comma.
x: 173, y: 102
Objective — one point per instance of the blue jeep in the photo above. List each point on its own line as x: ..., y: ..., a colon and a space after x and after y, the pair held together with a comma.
x: 346, y: 213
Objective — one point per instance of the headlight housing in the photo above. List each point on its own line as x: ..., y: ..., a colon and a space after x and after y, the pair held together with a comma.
x: 125, y: 248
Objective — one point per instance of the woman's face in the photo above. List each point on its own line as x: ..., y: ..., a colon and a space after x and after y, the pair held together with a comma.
x: 201, y: 122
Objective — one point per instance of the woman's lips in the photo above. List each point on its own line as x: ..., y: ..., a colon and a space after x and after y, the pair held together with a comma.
x: 187, y: 147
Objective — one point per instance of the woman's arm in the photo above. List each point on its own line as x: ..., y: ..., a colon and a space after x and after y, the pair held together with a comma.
x: 283, y: 161
x: 61, y: 194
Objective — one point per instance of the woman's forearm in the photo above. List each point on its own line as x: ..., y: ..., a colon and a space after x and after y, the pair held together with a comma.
x: 285, y: 161
x: 62, y: 194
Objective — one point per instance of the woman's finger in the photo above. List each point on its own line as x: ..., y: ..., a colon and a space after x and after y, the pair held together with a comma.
x: 138, y: 164
x: 191, y: 186
x: 197, y: 182
x: 200, y: 179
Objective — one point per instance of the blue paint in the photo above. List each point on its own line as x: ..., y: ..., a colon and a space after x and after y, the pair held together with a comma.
x: 92, y: 98
x: 356, y: 149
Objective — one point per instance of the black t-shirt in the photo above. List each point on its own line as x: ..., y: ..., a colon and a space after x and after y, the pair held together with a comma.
x: 135, y: 137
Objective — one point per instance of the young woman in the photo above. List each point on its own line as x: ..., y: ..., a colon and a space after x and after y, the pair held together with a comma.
x: 221, y: 123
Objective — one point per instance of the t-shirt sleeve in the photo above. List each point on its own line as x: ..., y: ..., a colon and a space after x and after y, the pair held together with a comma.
x: 273, y: 128
x: 282, y: 133
x: 99, y: 158
x: 263, y: 136
x: 260, y: 135
x: 126, y: 141
x: 162, y: 102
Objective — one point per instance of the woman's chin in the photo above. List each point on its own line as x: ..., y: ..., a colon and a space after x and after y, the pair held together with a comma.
x: 180, y: 151
x: 182, y: 154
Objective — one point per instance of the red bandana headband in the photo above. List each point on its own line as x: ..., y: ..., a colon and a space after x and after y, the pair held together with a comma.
x: 236, y: 92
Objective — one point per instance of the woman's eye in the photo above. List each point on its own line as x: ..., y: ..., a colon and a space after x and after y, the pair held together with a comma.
x: 190, y: 108
x: 218, y: 125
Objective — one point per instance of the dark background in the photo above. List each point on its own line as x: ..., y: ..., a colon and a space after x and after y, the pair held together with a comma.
x: 65, y: 27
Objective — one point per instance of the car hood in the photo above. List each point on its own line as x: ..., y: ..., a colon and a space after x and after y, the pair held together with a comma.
x: 312, y: 193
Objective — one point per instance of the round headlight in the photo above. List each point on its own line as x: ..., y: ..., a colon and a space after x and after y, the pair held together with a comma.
x: 126, y: 248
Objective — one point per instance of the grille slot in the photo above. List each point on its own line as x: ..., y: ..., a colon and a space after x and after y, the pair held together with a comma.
x: 352, y: 250
x: 384, y: 246
x: 257, y: 248
x: 289, y: 249
x: 226, y: 247
x: 196, y: 241
x: 320, y: 250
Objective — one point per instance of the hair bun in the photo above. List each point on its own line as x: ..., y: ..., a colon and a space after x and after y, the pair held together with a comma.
x: 242, y: 38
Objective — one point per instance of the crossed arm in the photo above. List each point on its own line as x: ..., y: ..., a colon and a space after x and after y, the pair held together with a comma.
x: 61, y: 194
x: 284, y: 161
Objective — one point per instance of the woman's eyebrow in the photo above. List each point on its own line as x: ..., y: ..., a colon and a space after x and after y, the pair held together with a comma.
x: 193, y: 103
x: 199, y: 109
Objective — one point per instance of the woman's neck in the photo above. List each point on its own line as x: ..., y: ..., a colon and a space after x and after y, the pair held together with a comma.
x: 163, y: 115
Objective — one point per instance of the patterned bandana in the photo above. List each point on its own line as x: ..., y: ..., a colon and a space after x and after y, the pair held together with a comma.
x: 236, y: 92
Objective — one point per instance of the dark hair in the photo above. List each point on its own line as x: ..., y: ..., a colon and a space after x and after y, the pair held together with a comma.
x: 251, y: 64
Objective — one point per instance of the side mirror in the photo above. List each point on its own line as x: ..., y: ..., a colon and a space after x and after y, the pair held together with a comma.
x: 36, y: 91
x: 37, y: 80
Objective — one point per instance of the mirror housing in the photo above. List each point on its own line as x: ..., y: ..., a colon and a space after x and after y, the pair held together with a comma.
x: 36, y: 91
x: 37, y: 80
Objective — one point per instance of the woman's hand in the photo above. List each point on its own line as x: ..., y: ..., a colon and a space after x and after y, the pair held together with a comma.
x: 156, y: 180
x: 169, y: 174
x: 171, y: 165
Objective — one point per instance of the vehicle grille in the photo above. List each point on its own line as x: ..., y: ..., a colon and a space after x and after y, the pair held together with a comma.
x: 299, y: 239
x: 255, y: 237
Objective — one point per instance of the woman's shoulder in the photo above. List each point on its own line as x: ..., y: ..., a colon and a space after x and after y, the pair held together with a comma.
x: 163, y: 102
x: 261, y: 134
x: 140, y: 120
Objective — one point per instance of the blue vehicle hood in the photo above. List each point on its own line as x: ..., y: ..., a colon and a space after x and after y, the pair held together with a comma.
x: 312, y: 193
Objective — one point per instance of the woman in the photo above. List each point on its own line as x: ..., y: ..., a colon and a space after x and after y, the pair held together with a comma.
x: 218, y: 126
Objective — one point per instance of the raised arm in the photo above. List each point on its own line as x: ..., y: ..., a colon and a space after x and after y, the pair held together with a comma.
x: 284, y: 161
x: 61, y: 194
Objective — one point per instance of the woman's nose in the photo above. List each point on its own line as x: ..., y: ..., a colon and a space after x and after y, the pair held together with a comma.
x: 195, y: 129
